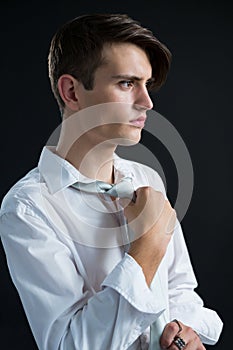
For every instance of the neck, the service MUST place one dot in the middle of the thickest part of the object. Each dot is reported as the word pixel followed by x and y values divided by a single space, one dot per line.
pixel 93 159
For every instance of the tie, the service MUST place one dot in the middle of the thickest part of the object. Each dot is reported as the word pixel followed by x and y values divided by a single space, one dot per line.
pixel 124 189
pixel 156 328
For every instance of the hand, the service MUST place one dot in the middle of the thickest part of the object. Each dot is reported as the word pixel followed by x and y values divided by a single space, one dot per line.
pixel 152 219
pixel 190 337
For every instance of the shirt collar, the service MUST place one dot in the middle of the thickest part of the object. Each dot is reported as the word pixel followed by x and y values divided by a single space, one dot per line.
pixel 59 174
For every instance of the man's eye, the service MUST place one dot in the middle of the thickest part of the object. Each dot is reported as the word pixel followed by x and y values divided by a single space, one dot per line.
pixel 126 83
pixel 150 84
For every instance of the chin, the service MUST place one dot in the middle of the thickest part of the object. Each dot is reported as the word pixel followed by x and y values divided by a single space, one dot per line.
pixel 134 136
pixel 128 139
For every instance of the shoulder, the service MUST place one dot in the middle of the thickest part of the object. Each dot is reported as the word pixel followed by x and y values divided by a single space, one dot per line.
pixel 24 192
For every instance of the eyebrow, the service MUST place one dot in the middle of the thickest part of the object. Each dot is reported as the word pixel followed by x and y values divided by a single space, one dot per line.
pixel 130 77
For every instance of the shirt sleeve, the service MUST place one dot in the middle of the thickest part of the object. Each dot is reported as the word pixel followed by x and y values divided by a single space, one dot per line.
pixel 62 312
pixel 185 304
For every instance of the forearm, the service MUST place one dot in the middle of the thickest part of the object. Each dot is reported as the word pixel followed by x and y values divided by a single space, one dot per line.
pixel 114 317
pixel 151 220
pixel 104 323
pixel 184 303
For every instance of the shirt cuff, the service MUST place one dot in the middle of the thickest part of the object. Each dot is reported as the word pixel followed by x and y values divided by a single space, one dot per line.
pixel 205 322
pixel 128 279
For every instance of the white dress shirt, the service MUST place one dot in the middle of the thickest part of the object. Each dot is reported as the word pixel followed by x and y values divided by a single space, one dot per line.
pixel 67 255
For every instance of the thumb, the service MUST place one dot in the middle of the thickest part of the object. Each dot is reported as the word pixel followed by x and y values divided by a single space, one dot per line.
pixel 124 202
pixel 142 194
pixel 132 208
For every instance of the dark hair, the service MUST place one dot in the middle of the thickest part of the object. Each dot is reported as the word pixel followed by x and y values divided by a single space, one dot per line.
pixel 76 48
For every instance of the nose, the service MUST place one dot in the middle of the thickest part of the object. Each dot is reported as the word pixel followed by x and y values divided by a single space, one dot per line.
pixel 143 99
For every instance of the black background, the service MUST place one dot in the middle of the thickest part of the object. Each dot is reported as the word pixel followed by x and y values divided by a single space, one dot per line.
pixel 197 99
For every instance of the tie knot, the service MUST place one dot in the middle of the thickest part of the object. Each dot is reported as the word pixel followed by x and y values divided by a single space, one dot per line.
pixel 123 189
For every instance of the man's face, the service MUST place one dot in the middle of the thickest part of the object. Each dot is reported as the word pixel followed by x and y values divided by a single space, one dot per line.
pixel 120 84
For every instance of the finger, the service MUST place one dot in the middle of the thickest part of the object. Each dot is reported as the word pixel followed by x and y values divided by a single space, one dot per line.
pixel 147 198
pixel 179 324
pixel 124 202
pixel 190 338
pixel 195 344
pixel 168 335
pixel 173 346
pixel 131 208
pixel 142 194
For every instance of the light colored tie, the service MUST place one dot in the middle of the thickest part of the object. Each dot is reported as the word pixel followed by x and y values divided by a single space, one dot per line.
pixel 156 329
pixel 124 189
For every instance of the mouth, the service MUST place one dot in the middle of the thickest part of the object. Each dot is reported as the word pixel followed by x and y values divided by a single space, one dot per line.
pixel 139 122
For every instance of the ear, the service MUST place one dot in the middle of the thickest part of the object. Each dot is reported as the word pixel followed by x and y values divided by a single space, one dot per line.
pixel 66 86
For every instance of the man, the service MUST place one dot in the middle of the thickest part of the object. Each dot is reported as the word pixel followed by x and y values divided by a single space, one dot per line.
pixel 97 266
